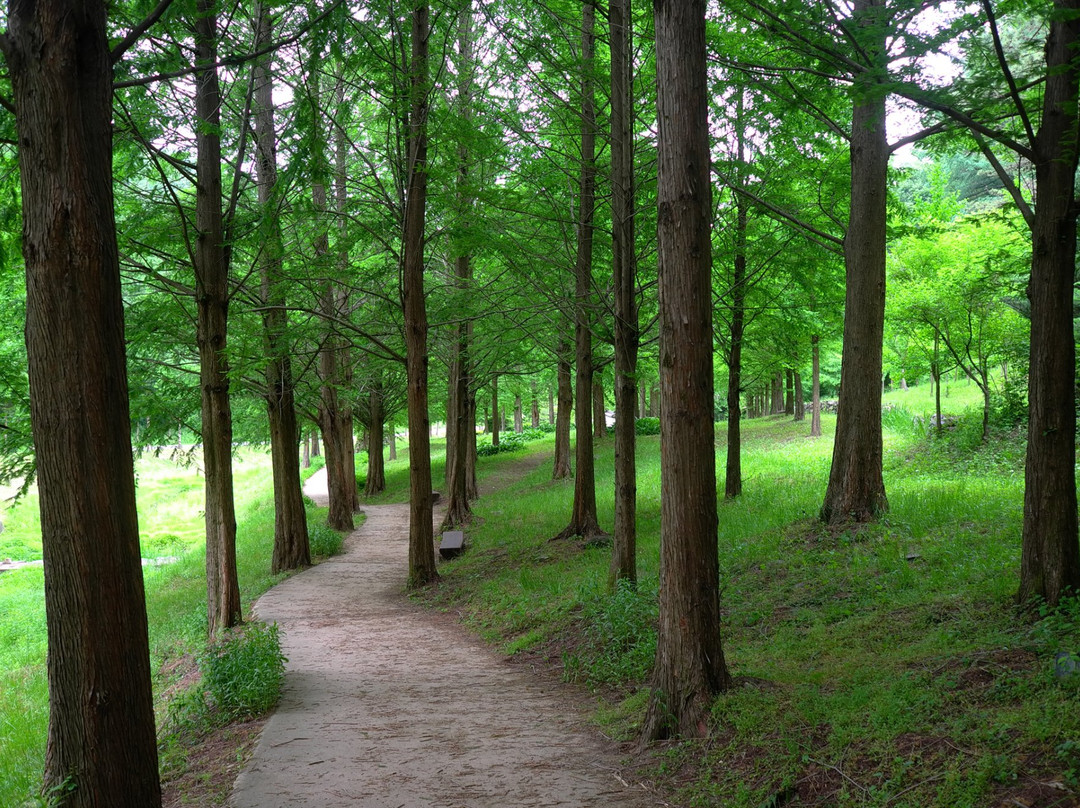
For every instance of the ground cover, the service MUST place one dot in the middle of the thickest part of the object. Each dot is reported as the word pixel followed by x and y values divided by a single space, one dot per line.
pixel 883 666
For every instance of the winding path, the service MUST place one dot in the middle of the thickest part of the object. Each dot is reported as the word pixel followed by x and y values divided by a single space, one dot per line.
pixel 389 706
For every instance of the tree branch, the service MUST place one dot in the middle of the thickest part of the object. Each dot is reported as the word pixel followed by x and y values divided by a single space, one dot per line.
pixel 122 47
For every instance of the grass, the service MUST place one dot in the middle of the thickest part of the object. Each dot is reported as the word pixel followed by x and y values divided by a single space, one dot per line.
pixel 170 503
pixel 879 666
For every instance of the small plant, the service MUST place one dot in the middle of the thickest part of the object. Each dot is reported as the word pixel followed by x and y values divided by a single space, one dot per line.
pixel 242 671
pixel 325 541
pixel 647 426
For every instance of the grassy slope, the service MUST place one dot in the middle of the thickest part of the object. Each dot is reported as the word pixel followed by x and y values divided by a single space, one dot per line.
pixel 886 666
pixel 170 503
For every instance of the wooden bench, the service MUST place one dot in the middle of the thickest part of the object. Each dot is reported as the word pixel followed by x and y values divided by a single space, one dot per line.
pixel 452 544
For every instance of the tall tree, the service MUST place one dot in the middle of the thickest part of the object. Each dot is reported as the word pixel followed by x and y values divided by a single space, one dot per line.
pixel 624 283
pixel 689 668
pixel 212 300
pixel 334 413
pixel 101 721
pixel 421 535
pixel 291 543
pixel 461 410
pixel 856 489
pixel 583 518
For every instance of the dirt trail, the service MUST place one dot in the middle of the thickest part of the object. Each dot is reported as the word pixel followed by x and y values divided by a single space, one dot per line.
pixel 389 706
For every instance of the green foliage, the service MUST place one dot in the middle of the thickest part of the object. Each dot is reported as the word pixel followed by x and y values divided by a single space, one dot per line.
pixel 619 637
pixel 647 426
pixel 510 442
pixel 325 541
pixel 243 670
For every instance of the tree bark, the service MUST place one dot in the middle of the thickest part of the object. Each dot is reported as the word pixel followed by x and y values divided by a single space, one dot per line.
pixel 599 413
pixel 856 490
pixel 623 564
pixel 519 415
pixel 212 299
pixel 733 467
pixel 561 469
pixel 101 717
pixel 800 401
pixel 534 413
pixel 291 544
pixel 458 511
pixel 421 536
pixel 551 406
pixel 495 417
pixel 335 415
pixel 583 519
pixel 1050 558
pixel 376 470
pixel 789 391
pixel 815 387
pixel 689 668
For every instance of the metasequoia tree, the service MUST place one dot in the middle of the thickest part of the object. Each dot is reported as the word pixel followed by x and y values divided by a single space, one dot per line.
pixel 689 668
pixel 211 259
pixel 421 536
pixel 856 489
pixel 334 413
pixel 101 737
pixel 461 409
pixel 291 543
pixel 624 283
pixel 583 519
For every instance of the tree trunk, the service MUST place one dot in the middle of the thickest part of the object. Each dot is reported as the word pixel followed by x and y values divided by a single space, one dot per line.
pixel 291 547
pixel 495 410
pixel 599 413
pixel 583 519
pixel 800 401
pixel 345 364
pixel 643 406
pixel 305 449
pixel 376 471
pixel 101 717
pixel 815 387
pixel 1050 558
pixel 654 401
pixel 212 299
pixel 458 511
pixel 689 667
pixel 789 391
pixel 421 537
pixel 561 468
pixel 551 406
pixel 856 490
pixel 733 467
pixel 315 450
pixel 519 415
pixel 624 284
pixel 393 441
pixel 534 413
pixel 335 423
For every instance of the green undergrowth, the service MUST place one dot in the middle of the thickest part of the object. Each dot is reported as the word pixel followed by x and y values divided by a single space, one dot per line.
pixel 176 612
pixel 883 665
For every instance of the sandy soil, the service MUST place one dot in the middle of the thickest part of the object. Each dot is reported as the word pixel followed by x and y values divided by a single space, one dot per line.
pixel 389 706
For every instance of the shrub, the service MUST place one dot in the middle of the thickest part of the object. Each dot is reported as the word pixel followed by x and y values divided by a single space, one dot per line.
pixel 242 671
pixel 507 443
pixel 647 426
pixel 325 541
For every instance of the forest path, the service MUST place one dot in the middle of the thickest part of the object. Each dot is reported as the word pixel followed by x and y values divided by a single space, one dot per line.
pixel 387 705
